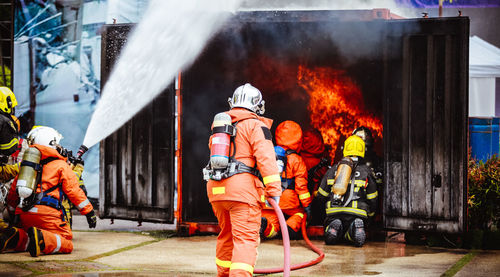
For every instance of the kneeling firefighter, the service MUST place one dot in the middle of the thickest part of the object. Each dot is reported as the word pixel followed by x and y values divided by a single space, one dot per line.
pixel 376 164
pixel 296 199
pixel 317 161
pixel 44 180
pixel 241 151
pixel 350 193
pixel 9 142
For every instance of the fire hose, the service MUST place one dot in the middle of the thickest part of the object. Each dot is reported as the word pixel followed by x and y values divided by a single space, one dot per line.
pixel 286 246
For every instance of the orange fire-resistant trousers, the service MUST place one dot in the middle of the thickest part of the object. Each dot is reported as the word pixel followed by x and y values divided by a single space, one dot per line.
pixel 238 239
pixel 57 238
pixel 294 220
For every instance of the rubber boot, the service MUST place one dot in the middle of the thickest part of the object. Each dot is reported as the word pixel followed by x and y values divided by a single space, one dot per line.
pixel 263 226
pixel 357 232
pixel 9 239
pixel 36 243
pixel 333 231
pixel 293 235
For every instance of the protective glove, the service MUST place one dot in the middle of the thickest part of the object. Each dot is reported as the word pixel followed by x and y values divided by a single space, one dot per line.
pixel 275 198
pixel 307 210
pixel 91 219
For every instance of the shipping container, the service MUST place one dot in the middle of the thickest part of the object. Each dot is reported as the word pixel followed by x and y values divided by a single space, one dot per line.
pixel 405 79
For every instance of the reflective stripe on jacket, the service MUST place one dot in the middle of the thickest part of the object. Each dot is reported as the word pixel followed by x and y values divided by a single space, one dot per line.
pixel 8 172
pixel 296 169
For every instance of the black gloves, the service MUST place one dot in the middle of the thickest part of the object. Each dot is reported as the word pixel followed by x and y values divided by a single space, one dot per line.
pixel 307 210
pixel 91 219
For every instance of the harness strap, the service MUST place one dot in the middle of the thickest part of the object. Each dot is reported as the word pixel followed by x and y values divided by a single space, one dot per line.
pixel 53 188
pixel 237 167
pixel 53 202
pixel 50 201
pixel 288 183
pixel 227 129
pixel 35 166
pixel 48 160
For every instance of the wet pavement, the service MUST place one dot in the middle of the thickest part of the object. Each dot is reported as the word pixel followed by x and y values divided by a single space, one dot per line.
pixel 144 253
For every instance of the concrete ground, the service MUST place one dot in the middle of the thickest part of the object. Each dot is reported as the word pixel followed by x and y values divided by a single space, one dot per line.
pixel 125 249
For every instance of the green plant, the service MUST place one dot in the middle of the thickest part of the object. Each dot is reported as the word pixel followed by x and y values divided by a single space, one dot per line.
pixel 484 194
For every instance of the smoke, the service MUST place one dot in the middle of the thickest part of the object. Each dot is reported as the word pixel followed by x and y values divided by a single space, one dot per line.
pixel 169 37
pixel 359 40
pixel 328 5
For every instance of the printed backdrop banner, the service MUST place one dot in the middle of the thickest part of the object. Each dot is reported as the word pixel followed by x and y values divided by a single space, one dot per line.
pixel 57 66
pixel 449 3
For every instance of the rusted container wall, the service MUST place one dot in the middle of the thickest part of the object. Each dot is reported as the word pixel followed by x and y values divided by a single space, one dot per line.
pixel 137 161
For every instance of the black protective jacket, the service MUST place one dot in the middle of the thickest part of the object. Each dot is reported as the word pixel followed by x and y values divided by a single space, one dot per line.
pixel 363 201
pixel 8 135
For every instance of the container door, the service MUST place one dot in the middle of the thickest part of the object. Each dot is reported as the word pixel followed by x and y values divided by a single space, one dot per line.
pixel 137 161
pixel 425 124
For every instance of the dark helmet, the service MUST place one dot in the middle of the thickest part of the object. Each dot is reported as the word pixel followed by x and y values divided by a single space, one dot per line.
pixel 364 133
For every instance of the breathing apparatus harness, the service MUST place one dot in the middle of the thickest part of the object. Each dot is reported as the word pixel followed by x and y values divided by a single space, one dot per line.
pixel 287 183
pixel 351 196
pixel 43 198
pixel 233 166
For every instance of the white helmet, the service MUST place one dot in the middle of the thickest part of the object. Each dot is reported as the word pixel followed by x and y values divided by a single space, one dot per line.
pixel 248 97
pixel 44 135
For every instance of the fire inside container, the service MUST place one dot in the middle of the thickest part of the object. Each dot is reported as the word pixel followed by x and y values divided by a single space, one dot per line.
pixel 326 75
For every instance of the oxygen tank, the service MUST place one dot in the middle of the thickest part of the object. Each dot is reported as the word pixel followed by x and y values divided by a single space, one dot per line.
pixel 221 141
pixel 342 178
pixel 26 182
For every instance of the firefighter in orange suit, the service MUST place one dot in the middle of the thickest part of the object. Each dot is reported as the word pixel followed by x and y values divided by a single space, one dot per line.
pixel 296 199
pixel 236 193
pixel 350 193
pixel 317 161
pixel 315 157
pixel 40 223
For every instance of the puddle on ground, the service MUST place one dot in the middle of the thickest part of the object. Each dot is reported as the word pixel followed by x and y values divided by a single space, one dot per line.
pixel 349 260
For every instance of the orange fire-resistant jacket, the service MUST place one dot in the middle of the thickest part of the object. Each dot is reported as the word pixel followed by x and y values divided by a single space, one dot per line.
pixel 254 146
pixel 54 173
pixel 289 136
pixel 312 148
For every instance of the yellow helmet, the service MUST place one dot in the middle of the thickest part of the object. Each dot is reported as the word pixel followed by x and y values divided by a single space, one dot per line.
pixel 7 100
pixel 354 146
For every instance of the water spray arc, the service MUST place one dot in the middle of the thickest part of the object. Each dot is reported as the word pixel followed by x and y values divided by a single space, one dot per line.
pixel 168 39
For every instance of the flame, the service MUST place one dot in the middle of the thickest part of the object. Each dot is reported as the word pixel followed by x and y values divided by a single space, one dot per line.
pixel 336 105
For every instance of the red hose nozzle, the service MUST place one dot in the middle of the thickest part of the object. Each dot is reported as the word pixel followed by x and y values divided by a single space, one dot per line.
pixel 81 151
